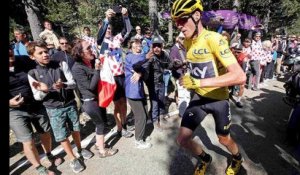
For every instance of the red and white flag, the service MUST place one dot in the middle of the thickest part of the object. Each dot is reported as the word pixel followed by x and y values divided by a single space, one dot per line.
pixel 107 85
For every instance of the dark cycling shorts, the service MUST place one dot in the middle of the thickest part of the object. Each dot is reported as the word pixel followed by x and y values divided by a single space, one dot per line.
pixel 120 91
pixel 199 107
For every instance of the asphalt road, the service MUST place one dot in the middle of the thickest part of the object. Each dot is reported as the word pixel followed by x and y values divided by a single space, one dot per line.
pixel 258 128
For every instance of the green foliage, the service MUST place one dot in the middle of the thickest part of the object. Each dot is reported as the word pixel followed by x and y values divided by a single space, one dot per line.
pixel 295 28
pixel 62 14
pixel 90 11
pixel 73 15
pixel 12 25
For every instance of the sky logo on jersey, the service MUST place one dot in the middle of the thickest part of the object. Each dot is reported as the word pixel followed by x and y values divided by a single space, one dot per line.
pixel 202 70
pixel 197 52
pixel 225 53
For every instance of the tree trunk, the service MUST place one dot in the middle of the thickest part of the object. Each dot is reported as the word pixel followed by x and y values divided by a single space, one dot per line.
pixel 236 5
pixel 153 15
pixel 170 31
pixel 267 18
pixel 32 15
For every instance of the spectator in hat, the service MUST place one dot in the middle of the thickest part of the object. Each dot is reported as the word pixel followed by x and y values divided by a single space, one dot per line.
pixel 159 60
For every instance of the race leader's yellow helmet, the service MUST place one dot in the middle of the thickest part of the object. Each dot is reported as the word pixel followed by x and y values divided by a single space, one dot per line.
pixel 185 7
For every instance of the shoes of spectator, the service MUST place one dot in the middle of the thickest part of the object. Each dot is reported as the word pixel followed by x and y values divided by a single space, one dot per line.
pixel 76 166
pixel 239 104
pixel 255 89
pixel 141 144
pixel 97 148
pixel 54 160
pixel 124 133
pixel 44 171
pixel 130 127
pixel 108 152
pixel 147 139
pixel 85 154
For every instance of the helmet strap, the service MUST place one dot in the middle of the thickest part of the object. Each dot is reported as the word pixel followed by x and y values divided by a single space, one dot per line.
pixel 196 25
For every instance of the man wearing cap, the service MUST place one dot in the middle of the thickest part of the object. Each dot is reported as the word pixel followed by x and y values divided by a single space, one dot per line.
pixel 159 60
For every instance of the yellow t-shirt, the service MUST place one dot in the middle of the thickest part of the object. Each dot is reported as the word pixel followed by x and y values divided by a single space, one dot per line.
pixel 208 56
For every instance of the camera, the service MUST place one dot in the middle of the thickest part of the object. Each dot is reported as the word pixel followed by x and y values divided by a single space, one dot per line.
pixel 117 9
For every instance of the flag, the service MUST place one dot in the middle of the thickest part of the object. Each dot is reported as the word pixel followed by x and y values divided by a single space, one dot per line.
pixel 107 85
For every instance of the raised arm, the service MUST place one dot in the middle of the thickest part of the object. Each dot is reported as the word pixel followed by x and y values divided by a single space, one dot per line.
pixel 101 33
pixel 127 25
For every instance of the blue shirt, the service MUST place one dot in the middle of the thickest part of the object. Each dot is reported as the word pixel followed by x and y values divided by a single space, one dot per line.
pixel 20 49
pixel 133 90
pixel 146 44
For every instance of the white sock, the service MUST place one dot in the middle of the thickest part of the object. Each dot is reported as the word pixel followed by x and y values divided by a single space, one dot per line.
pixel 238 99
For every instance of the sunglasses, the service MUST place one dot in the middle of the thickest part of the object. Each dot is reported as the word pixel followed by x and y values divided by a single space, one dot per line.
pixel 148 33
pixel 88 48
pixel 181 21
pixel 63 43
pixel 156 45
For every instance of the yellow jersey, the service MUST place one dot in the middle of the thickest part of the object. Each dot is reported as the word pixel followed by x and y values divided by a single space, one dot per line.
pixel 208 55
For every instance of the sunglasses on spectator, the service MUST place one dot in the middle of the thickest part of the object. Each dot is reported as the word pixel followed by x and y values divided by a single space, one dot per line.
pixel 63 43
pixel 88 48
pixel 157 45
pixel 148 33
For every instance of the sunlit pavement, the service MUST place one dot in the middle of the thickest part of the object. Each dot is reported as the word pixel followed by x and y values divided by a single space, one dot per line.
pixel 258 128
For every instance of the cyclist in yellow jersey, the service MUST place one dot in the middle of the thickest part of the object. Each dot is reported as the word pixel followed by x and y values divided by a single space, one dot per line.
pixel 212 68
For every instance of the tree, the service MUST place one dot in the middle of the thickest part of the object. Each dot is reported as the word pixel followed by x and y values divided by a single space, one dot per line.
pixel 33 13
pixel 74 14
pixel 153 15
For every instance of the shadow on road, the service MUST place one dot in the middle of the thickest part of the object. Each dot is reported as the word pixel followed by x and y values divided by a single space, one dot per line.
pixel 261 129
pixel 258 128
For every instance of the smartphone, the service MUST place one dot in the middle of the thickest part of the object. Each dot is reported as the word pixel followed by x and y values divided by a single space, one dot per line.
pixel 117 9
pixel 19 96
